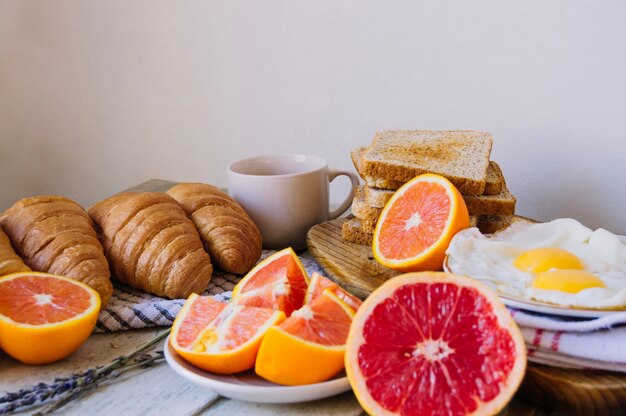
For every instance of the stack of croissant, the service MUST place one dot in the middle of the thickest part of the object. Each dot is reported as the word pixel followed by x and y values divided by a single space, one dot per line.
pixel 163 243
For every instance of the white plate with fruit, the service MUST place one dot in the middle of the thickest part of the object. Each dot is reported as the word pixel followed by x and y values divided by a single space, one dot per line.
pixel 249 387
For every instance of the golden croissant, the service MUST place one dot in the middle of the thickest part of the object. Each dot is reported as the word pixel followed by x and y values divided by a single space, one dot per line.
pixel 151 244
pixel 55 235
pixel 10 262
pixel 230 237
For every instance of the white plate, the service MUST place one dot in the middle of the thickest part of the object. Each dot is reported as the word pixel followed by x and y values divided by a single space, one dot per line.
pixel 249 387
pixel 541 307
pixel 548 309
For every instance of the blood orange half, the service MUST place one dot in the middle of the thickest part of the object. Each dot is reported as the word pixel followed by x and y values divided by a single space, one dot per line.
pixel 44 317
pixel 309 346
pixel 434 343
pixel 418 222
pixel 221 337
pixel 319 283
pixel 279 282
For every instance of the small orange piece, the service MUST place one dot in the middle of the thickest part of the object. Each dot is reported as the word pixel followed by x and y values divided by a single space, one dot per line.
pixel 279 282
pixel 220 337
pixel 414 229
pixel 319 283
pixel 44 317
pixel 309 347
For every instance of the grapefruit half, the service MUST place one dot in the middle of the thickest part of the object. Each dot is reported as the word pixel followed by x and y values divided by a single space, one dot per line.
pixel 434 343
pixel 279 282
pixel 220 337
pixel 416 225
pixel 44 317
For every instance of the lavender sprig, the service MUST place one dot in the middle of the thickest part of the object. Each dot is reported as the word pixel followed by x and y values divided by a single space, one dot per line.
pixel 67 389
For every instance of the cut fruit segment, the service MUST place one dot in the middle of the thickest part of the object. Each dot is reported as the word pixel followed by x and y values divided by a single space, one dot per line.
pixel 279 282
pixel 319 283
pixel 309 346
pixel 434 343
pixel 44 317
pixel 221 337
pixel 416 225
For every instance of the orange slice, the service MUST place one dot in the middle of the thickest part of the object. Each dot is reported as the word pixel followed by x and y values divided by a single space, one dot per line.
pixel 279 282
pixel 434 343
pixel 414 229
pixel 319 283
pixel 220 337
pixel 309 346
pixel 44 317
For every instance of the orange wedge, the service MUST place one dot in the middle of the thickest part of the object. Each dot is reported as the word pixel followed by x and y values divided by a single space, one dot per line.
pixel 220 337
pixel 279 282
pixel 415 227
pixel 319 283
pixel 309 347
pixel 44 317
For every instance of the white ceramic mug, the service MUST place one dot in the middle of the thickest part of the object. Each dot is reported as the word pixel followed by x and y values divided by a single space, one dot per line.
pixel 285 195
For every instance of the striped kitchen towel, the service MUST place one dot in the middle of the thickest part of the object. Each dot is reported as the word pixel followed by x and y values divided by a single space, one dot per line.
pixel 130 308
pixel 574 342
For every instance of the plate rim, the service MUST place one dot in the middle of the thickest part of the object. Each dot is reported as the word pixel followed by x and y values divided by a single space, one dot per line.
pixel 341 384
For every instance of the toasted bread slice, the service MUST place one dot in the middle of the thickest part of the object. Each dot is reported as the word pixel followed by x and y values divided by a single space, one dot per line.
pixel 495 179
pixel 377 197
pixel 460 156
pixel 502 204
pixel 353 232
pixel 489 224
pixel 356 156
pixel 360 207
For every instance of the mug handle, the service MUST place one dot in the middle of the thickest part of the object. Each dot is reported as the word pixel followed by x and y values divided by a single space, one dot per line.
pixel 332 174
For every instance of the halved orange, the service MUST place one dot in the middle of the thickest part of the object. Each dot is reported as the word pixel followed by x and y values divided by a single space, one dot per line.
pixel 433 343
pixel 309 346
pixel 414 229
pixel 279 282
pixel 319 283
pixel 44 317
pixel 220 337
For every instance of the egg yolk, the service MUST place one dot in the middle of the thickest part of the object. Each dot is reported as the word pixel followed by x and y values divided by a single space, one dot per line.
pixel 543 259
pixel 571 281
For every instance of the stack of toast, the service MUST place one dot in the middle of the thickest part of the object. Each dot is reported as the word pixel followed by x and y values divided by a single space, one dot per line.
pixel 397 156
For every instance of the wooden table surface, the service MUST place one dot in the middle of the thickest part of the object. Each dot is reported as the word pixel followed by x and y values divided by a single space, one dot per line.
pixel 158 390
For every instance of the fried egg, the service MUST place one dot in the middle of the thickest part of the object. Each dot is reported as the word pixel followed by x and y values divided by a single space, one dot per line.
pixel 561 262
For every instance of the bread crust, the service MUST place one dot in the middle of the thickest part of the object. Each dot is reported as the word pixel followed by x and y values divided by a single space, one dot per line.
pixel 229 235
pixel 353 232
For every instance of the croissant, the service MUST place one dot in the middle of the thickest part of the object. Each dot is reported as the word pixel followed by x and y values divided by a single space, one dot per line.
pixel 230 237
pixel 55 235
pixel 151 244
pixel 9 261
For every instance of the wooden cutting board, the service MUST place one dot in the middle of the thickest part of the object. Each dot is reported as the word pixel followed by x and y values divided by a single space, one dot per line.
pixel 574 392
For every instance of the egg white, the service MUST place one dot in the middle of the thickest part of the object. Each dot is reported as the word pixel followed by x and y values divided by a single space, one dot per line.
pixel 490 258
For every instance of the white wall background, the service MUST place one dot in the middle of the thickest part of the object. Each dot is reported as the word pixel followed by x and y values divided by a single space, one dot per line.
pixel 98 96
